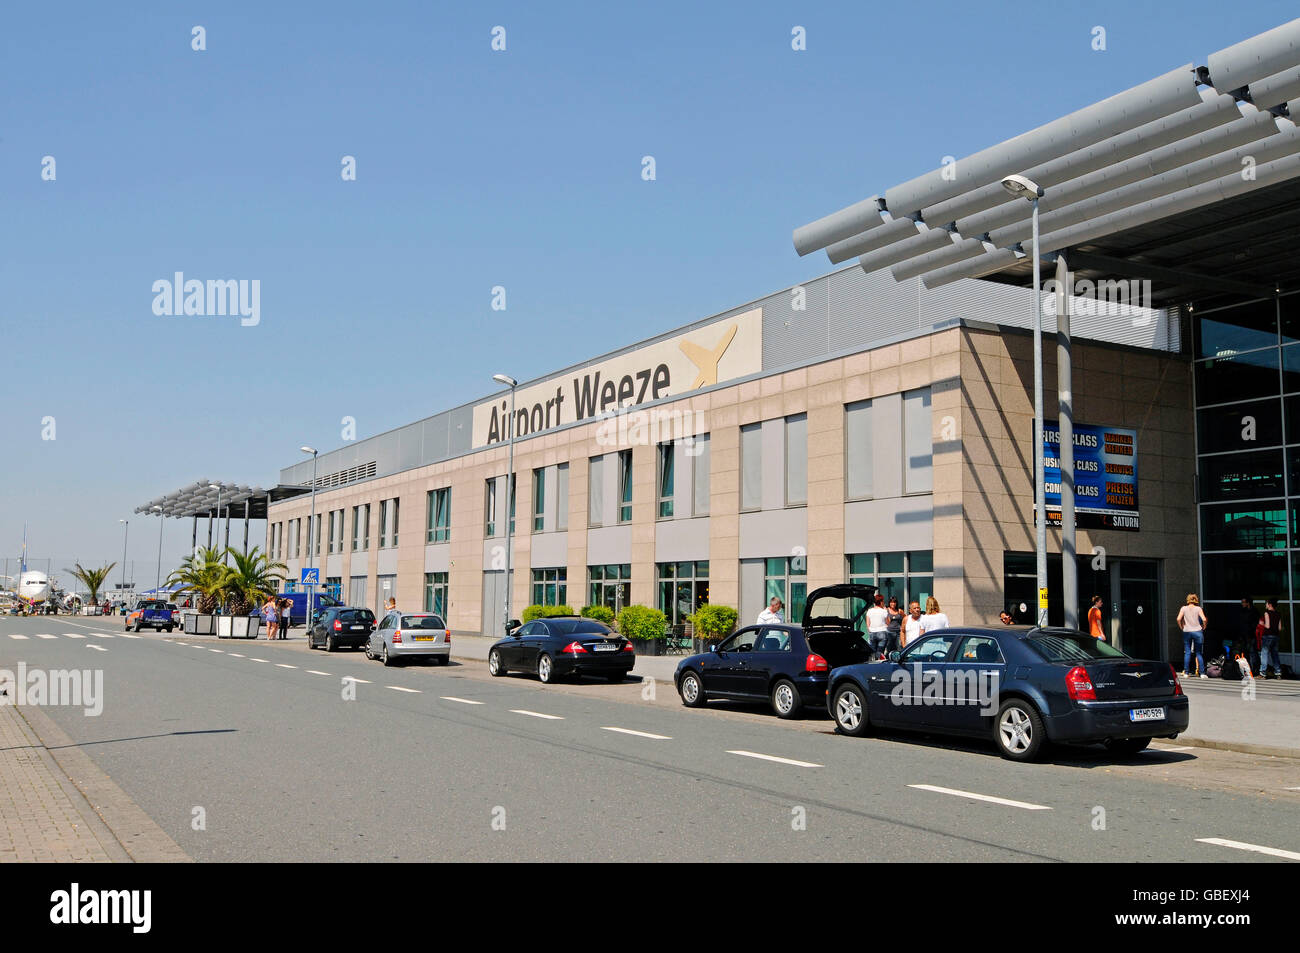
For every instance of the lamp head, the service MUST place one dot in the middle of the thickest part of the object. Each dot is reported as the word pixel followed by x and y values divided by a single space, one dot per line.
pixel 311 450
pixel 504 379
pixel 1022 188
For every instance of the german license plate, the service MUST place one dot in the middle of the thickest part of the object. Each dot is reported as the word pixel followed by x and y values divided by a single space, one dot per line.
pixel 606 647
pixel 1146 714
pixel 355 628
pixel 425 638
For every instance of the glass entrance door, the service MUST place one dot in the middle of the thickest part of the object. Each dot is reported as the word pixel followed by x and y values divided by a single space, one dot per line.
pixel 1139 609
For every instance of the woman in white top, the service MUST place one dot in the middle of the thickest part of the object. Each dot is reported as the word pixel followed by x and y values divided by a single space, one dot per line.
pixel 1192 619
pixel 933 618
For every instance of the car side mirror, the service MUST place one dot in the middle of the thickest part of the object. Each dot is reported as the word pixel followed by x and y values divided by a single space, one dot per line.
pixel 894 656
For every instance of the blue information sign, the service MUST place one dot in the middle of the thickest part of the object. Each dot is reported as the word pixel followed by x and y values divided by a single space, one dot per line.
pixel 310 577
pixel 1105 476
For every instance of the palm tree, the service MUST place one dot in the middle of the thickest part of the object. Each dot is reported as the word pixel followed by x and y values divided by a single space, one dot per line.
pixel 251 580
pixel 92 579
pixel 203 574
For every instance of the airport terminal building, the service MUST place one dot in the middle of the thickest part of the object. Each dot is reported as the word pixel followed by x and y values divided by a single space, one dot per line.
pixel 853 428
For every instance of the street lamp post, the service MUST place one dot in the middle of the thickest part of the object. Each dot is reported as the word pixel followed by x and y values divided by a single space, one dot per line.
pixel 311 549
pixel 126 529
pixel 1022 187
pixel 157 579
pixel 510 479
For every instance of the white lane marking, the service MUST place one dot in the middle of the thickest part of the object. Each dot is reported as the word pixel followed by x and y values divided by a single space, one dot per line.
pixel 639 734
pixel 769 757
pixel 15 635
pixel 463 701
pixel 220 651
pixel 1006 802
pixel 399 688
pixel 128 635
pixel 97 648
pixel 312 671
pixel 73 635
pixel 1254 848
pixel 101 635
pixel 283 665
pixel 353 678
pixel 251 659
pixel 45 635
pixel 536 714
pixel 237 655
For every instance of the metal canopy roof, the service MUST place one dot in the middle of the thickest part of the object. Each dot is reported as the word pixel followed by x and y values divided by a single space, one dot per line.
pixel 1187 179
pixel 199 499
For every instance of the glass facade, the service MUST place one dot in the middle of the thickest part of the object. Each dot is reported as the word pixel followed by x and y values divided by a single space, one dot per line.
pixel 610 586
pixel 787 579
pixel 907 577
pixel 1247 386
pixel 682 588
pixel 435 593
pixel 438 529
pixel 550 587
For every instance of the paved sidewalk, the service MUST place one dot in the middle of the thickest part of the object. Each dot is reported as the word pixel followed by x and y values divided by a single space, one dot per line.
pixel 42 816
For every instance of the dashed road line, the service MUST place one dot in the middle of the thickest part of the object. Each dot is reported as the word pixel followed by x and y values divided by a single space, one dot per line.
pixel 1006 802
pixel 399 688
pixel 359 681
pixel 252 659
pixel 770 757
pixel 45 635
pixel 312 671
pixel 97 648
pixel 101 635
pixel 73 635
pixel 128 635
pixel 281 664
pixel 639 734
pixel 1253 848
pixel 536 714
pixel 15 635
pixel 237 655
pixel 219 651
pixel 463 701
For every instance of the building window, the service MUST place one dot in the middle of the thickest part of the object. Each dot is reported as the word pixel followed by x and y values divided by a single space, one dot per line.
pixel 665 481
pixel 435 593
pixel 610 586
pixel 490 507
pixel 625 486
pixel 388 523
pixel 682 588
pixel 336 532
pixel 857 451
pixel 357 591
pixel 796 460
pixel 596 492
pixel 439 518
pixel 539 499
pixel 906 576
pixel 292 527
pixel 918 442
pixel 698 448
pixel 751 467
pixel 361 527
pixel 387 586
pixel 316 534
pixel 561 497
pixel 334 587
pixel 550 587
pixel 786 577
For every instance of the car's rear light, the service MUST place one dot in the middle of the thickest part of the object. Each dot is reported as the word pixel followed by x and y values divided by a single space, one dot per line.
pixel 1178 686
pixel 573 648
pixel 1078 685
pixel 338 626
pixel 446 635
pixel 628 648
pixel 815 663
pixel 397 636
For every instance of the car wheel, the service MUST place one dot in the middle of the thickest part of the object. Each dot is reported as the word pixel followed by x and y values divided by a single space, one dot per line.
pixel 692 690
pixel 494 663
pixel 785 699
pixel 1127 745
pixel 616 677
pixel 168 629
pixel 442 659
pixel 1018 730
pixel 851 711
pixel 137 627
pixel 388 660
pixel 545 669
pixel 329 643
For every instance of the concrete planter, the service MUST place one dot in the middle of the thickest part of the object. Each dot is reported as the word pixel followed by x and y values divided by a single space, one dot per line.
pixel 197 623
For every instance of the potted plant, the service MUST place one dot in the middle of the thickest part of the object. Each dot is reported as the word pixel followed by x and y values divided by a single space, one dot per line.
pixel 249 582
pixel 645 627
pixel 712 624
pixel 203 574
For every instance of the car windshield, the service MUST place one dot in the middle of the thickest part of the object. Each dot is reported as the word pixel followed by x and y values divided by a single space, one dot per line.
pixel 576 627
pixel 422 622
pixel 356 615
pixel 1059 647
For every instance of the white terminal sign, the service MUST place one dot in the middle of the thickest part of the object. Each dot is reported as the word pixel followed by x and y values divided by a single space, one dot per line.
pixel 721 351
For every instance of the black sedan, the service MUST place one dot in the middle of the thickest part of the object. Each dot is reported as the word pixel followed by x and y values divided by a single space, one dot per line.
pixel 788 665
pixel 341 627
pixel 1024 687
pixel 563 645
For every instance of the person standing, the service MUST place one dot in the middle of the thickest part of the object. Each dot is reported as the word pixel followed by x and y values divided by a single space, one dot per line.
pixel 271 616
pixel 895 625
pixel 934 617
pixel 878 627
pixel 1094 620
pixel 1192 620
pixel 772 614
pixel 286 608
pixel 1268 643
pixel 912 624
pixel 1241 637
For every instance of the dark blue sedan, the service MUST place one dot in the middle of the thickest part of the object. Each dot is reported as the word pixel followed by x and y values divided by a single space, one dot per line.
pixel 1024 687
pixel 788 665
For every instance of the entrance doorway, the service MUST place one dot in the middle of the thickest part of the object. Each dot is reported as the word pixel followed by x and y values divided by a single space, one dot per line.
pixel 1135 589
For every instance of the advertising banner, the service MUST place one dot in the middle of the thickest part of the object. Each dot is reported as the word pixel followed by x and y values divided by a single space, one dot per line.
pixel 1105 476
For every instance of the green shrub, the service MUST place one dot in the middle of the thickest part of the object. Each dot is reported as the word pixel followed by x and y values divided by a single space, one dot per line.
pixel 602 614
pixel 713 622
pixel 642 622
pixel 544 612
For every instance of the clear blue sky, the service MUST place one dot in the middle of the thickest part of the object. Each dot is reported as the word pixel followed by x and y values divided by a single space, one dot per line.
pixel 474 169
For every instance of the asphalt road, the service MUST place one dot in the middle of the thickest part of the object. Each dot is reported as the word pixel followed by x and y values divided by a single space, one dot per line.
pixel 261 742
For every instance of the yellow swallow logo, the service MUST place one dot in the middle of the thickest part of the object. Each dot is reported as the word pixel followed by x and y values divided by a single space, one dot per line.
pixel 706 359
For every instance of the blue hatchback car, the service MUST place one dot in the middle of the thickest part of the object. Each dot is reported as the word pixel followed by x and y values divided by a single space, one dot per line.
pixel 1022 686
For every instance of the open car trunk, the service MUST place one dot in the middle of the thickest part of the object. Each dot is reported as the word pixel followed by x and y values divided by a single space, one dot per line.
pixel 834 622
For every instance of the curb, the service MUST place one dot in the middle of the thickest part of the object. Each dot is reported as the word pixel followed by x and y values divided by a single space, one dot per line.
pixel 139 837
pixel 1271 751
